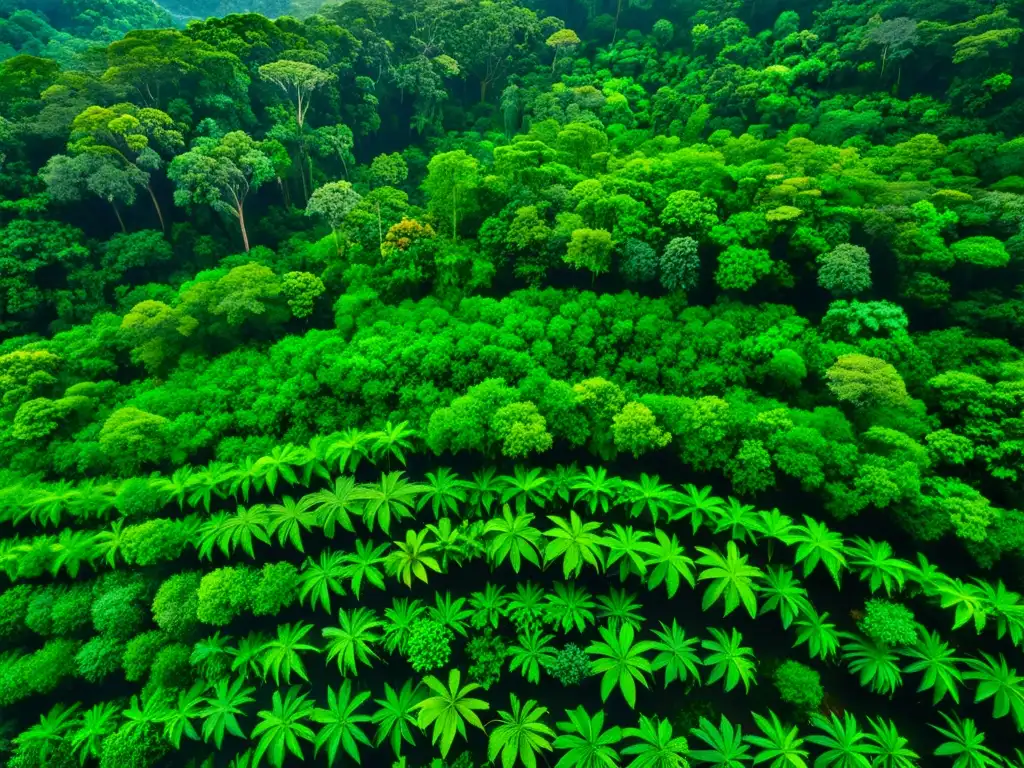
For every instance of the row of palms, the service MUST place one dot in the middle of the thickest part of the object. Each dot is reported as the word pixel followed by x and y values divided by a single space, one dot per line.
pixel 212 711
pixel 656 555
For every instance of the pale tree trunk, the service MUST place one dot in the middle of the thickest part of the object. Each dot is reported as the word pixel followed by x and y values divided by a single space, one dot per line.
pixel 156 205
pixel 119 219
pixel 241 224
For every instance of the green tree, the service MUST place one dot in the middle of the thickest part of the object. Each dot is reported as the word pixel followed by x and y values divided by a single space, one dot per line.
pixel 590 249
pixel 451 183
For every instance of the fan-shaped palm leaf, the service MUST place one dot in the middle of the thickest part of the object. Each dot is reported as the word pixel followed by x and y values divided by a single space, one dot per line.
pixel 350 642
pixel 997 681
pixel 393 497
pixel 816 544
pixel 321 579
pixel 282 727
pixel 965 744
pixel 656 746
pixel 280 656
pixel 784 593
pixel 412 558
pixel 530 654
pixel 875 663
pixel 724 741
pixel 336 506
pixel 521 734
pixel 393 440
pixel 887 748
pixel 513 538
pixel 843 741
pixel 288 519
pixel 98 722
pixel 576 543
pixel 937 660
pixel 620 661
pixel 777 745
pixel 526 486
pixel 396 716
pixel 570 605
pixel 626 546
pixel 730 660
pixel 596 489
pixel 878 565
pixel 445 492
pixel 696 503
pixel 449 709
pixel 730 578
pixel 586 742
pixel 650 496
pixel 223 708
pixel 340 721
pixel 668 563
pixel 361 565
pixel 676 654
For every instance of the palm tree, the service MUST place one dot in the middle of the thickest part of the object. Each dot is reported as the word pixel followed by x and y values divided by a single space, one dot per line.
pixel 228 532
pixel 1005 607
pixel 889 749
pixel 587 743
pixel 724 741
pixel 49 503
pixel 596 489
pixel 411 558
pixel 187 707
pixel 576 543
pixel 729 659
pixel 319 580
pixel 288 519
pixel 223 708
pixel 148 709
pixel 98 722
pixel 175 487
pixel 43 737
pixel 362 565
pixel 531 653
pixel 484 489
pixel 396 714
pixel 392 440
pixel 449 709
pixel 731 577
pixel 695 503
pixel 211 655
pixel 351 641
pixel 208 482
pixel 739 519
pixel 817 544
pixel 774 526
pixel 281 654
pixel 668 563
pixel 878 565
pixel 843 741
pixel 619 607
pixel 247 477
pixel 874 662
pixel 526 606
pixel 652 496
pixel 778 745
pixel 400 617
pixel 997 681
pixel 340 723
pixel 514 538
pixel 73 548
pixel 349 448
pixel 966 744
pixel 627 547
pixel 95 500
pixel 394 497
pixel 522 733
pixel 621 662
pixel 676 654
pixel 784 594
pixel 247 655
pixel 451 613
pixel 570 605
pixel 488 606
pixel 526 487
pixel 108 543
pixel 967 600
pixel 282 726
pixel 937 660
pixel 337 505
pixel 819 633
pixel 444 491
pixel 281 463
pixel 656 746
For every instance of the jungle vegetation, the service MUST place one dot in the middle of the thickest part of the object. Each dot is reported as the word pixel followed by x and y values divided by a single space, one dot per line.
pixel 511 382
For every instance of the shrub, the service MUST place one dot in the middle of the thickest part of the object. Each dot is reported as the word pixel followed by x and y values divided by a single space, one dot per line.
pixel 223 595
pixel 140 652
pixel 171 667
pixel 276 589
pixel 138 497
pixel 889 623
pixel 487 653
pixel 639 262
pixel 846 269
pixel 14 604
pixel 799 685
pixel 48 666
pixel 117 613
pixel 72 610
pixel 570 666
pixel 429 645
pixel 176 604
pixel 154 541
pixel 141 746
pixel 99 657
pixel 39 617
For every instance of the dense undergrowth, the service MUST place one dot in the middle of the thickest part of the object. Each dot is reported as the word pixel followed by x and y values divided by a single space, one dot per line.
pixel 694 331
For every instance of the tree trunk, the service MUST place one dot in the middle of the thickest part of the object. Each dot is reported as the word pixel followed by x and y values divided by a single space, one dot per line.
pixel 119 219
pixel 159 213
pixel 483 90
pixel 337 243
pixel 455 213
pixel 241 224
pixel 380 231
pixel 615 29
